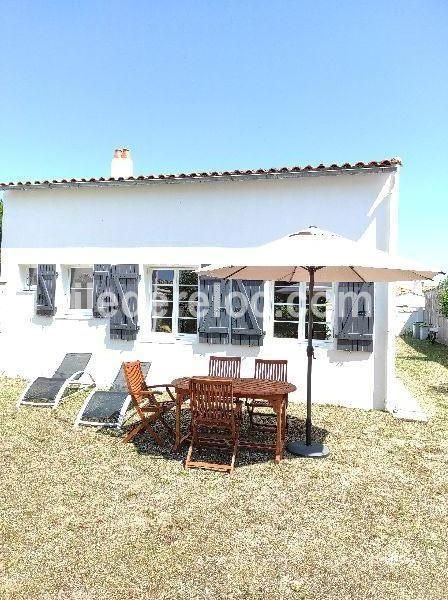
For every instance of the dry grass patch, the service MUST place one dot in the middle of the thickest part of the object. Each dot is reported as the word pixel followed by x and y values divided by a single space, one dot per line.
pixel 87 517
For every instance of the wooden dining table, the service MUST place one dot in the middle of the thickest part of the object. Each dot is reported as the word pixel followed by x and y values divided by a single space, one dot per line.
pixel 275 392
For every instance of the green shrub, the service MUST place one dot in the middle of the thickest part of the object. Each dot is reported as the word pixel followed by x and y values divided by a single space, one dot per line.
pixel 443 297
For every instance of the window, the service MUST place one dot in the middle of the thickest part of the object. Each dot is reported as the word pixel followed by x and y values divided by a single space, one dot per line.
pixel 291 309
pixel 28 277
pixel 322 313
pixel 174 301
pixel 81 288
pixel 286 309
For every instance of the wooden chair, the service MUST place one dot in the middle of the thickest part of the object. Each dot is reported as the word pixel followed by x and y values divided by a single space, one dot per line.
pixel 144 398
pixel 225 366
pixel 273 370
pixel 215 420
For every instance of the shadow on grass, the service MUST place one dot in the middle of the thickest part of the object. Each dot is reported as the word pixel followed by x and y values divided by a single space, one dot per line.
pixel 440 389
pixel 145 444
pixel 430 352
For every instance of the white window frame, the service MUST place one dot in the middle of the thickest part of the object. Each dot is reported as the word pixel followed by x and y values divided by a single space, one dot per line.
pixel 23 275
pixel 301 338
pixel 174 334
pixel 85 313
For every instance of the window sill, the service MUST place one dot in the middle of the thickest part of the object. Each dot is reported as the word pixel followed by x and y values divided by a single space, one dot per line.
pixel 167 338
pixel 316 343
pixel 26 292
pixel 76 315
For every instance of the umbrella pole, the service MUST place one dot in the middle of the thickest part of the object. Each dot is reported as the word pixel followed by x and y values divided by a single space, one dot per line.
pixel 310 357
pixel 308 449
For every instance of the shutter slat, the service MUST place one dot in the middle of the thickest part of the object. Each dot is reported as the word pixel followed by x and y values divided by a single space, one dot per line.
pixel 124 318
pixel 247 298
pixel 101 287
pixel 214 321
pixel 46 290
pixel 355 331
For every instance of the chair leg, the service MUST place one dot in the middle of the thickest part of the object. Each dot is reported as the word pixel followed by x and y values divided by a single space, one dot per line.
pixel 156 437
pixel 134 432
pixel 165 424
pixel 143 426
pixel 188 457
pixel 250 412
pixel 234 455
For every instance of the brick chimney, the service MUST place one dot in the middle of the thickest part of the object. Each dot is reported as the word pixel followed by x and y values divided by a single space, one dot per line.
pixel 122 165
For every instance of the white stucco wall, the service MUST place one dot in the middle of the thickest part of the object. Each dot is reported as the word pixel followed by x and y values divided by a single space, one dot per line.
pixel 188 224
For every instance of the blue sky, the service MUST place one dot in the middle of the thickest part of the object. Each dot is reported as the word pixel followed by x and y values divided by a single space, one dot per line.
pixel 208 84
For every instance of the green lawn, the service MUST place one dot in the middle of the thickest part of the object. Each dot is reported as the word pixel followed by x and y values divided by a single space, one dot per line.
pixel 84 516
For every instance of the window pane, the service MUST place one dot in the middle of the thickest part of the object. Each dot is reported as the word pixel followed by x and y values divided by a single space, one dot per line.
pixel 318 315
pixel 162 292
pixel 286 292
pixel 162 325
pixel 187 292
pixel 286 298
pixel 81 298
pixel 187 309
pixel 187 325
pixel 321 331
pixel 286 313
pixel 321 305
pixel 162 309
pixel 32 277
pixel 81 284
pixel 188 278
pixel 81 278
pixel 286 330
pixel 162 276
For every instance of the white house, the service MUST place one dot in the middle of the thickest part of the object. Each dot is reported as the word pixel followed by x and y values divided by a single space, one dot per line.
pixel 152 232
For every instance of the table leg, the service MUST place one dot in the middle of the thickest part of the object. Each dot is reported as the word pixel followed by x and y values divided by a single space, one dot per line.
pixel 179 400
pixel 279 441
pixel 284 421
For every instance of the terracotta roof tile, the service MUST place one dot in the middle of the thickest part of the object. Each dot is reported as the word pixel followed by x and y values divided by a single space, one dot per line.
pixel 387 163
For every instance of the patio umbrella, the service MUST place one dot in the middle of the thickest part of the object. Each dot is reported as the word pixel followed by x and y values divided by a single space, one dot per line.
pixel 314 255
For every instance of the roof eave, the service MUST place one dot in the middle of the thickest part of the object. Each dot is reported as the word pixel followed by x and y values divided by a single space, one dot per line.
pixel 150 180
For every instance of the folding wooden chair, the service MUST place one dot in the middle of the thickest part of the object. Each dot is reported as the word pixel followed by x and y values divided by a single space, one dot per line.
pixel 215 420
pixel 224 366
pixel 144 398
pixel 273 370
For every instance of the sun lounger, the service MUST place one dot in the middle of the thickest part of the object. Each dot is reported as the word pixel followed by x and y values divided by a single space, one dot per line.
pixel 48 391
pixel 108 408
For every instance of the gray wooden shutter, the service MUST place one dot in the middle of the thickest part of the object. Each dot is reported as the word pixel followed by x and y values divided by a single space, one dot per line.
pixel 214 322
pixel 124 319
pixel 46 290
pixel 101 285
pixel 247 327
pixel 355 331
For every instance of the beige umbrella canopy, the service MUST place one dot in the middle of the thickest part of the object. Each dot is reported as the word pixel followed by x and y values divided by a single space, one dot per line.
pixel 315 255
pixel 335 258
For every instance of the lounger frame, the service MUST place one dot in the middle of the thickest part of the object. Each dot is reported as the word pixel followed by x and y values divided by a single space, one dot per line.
pixel 118 425
pixel 122 414
pixel 72 381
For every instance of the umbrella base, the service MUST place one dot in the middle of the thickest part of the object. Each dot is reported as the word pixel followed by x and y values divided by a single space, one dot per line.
pixel 311 451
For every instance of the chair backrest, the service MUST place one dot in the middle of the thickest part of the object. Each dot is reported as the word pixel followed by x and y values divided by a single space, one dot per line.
pixel 71 364
pixel 211 401
pixel 225 366
pixel 120 385
pixel 135 380
pixel 275 370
